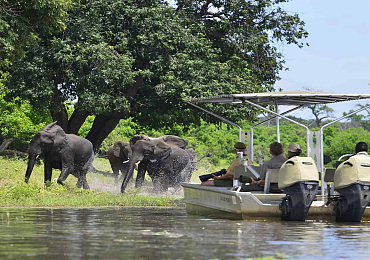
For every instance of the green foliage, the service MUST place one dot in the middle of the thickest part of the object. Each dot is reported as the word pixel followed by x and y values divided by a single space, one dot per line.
pixel 344 142
pixel 85 128
pixel 144 58
pixel 21 23
pixel 218 139
pixel 20 121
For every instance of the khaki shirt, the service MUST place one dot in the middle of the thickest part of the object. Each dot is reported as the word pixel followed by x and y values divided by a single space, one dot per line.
pixel 235 163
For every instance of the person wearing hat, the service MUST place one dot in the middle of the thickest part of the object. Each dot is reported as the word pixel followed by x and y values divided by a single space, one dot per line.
pixel 226 180
pixel 294 150
pixel 278 159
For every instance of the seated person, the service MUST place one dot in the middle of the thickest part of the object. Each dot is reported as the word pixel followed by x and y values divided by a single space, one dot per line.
pixel 226 180
pixel 361 150
pixel 294 150
pixel 278 158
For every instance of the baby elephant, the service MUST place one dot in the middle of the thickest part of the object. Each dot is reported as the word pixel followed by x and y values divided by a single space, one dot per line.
pixel 69 153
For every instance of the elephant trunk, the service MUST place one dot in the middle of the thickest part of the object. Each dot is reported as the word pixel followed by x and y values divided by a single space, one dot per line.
pixel 128 176
pixel 31 163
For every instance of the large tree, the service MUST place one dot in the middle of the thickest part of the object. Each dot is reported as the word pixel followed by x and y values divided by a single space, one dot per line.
pixel 117 59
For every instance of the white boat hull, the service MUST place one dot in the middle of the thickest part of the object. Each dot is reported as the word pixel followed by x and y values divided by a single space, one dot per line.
pixel 221 202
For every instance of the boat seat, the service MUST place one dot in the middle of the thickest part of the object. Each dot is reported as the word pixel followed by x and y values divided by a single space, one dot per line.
pixel 243 171
pixel 271 177
pixel 329 175
pixel 329 179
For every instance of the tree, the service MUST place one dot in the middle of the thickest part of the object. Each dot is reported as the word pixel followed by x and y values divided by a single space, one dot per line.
pixel 320 113
pixel 360 120
pixel 21 23
pixel 143 58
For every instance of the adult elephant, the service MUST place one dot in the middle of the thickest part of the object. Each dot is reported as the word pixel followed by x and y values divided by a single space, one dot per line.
pixel 69 153
pixel 118 156
pixel 166 163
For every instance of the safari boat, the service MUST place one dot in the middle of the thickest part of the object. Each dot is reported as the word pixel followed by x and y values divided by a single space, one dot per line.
pixel 311 192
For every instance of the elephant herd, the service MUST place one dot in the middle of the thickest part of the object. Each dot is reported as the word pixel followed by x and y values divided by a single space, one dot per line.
pixel 165 159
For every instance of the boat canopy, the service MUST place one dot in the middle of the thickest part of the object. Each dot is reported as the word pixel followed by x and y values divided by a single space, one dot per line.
pixel 298 99
pixel 289 98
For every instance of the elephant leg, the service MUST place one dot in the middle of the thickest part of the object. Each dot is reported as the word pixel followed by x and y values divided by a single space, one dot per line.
pixel 47 171
pixel 79 183
pixel 64 174
pixel 160 183
pixel 140 176
pixel 82 182
pixel 115 170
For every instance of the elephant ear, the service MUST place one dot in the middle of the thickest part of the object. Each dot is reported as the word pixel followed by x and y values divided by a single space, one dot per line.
pixel 117 149
pixel 46 138
pixel 175 140
pixel 162 149
pixel 136 138
pixel 126 151
pixel 48 127
pixel 59 136
pixel 41 142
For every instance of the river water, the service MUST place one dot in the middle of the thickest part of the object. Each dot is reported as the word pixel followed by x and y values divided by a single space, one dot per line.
pixel 152 233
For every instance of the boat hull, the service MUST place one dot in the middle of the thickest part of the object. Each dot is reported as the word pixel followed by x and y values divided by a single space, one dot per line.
pixel 224 203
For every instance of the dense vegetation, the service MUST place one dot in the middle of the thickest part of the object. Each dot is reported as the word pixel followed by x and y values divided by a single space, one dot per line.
pixel 142 59
pixel 21 123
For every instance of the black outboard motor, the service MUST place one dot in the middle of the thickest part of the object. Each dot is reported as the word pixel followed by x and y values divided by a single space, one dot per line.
pixel 299 179
pixel 352 182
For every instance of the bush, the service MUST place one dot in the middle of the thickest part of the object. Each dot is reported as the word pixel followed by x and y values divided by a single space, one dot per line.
pixel 20 121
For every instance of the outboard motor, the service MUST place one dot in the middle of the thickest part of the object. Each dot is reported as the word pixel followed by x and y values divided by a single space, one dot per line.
pixel 352 182
pixel 299 179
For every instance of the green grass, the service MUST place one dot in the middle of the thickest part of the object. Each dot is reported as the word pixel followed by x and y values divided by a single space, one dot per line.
pixel 15 192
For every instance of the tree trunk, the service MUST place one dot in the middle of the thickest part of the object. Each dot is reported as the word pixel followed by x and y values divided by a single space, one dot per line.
pixel 59 114
pixel 5 144
pixel 76 121
pixel 101 128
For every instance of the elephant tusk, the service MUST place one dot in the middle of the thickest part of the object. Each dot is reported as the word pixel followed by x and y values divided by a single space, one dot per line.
pixel 153 160
pixel 126 161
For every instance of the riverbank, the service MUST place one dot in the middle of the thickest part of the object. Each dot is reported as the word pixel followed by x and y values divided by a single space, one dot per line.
pixel 14 192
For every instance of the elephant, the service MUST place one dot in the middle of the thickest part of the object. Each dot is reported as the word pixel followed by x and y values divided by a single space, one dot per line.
pixel 68 152
pixel 166 163
pixel 118 156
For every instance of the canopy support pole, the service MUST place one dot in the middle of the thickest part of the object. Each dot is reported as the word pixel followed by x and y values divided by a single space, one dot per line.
pixel 241 133
pixel 277 122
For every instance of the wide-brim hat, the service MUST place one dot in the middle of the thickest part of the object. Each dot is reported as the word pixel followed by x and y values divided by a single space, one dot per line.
pixel 239 145
pixel 293 147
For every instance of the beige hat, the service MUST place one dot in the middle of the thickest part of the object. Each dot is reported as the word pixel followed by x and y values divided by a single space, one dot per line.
pixel 293 147
pixel 239 145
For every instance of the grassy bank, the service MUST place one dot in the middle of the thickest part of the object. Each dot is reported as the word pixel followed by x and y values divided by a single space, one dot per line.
pixel 103 191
